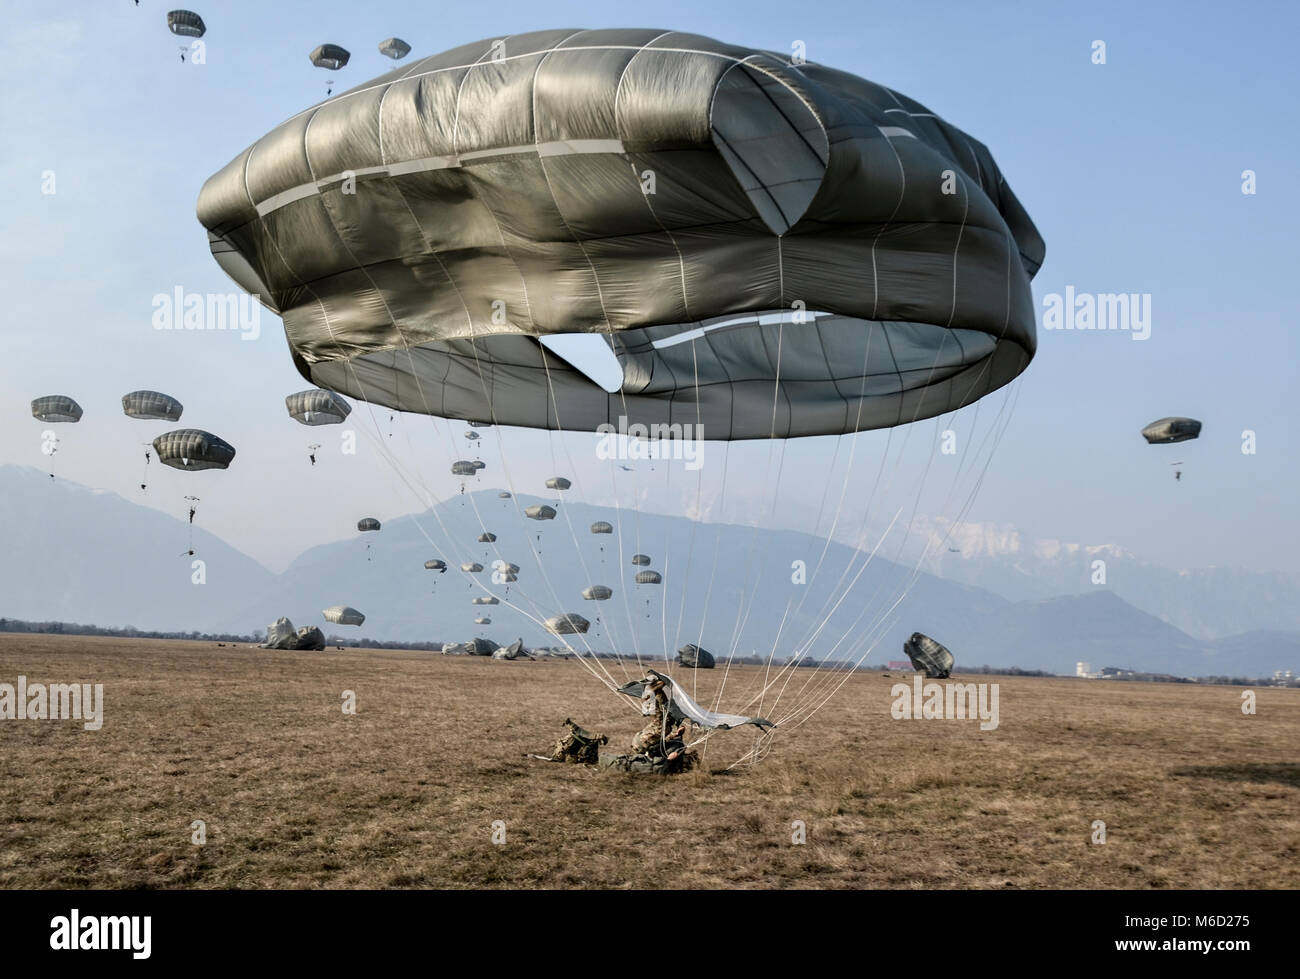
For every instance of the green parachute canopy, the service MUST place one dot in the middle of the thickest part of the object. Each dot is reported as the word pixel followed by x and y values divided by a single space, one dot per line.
pixel 766 249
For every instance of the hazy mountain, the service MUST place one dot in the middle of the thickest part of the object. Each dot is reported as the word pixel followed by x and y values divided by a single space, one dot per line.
pixel 725 586
pixel 1102 629
pixel 1205 603
pixel 81 555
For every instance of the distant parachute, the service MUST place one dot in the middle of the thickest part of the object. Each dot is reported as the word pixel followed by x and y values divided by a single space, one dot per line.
pixel 151 405
pixel 1174 429
pixel 558 483
pixel 56 408
pixel 649 578
pixel 928 655
pixel 186 23
pixel 503 495
pixel 487 537
pixel 539 511
pixel 330 56
pixel 486 600
pixel 505 567
pixel 471 567
pixel 193 449
pixel 602 527
pixel 693 657
pixel 482 620
pixel 343 615
pixel 473 436
pixel 367 523
pixel 435 565
pixel 567 624
pixel 394 48
pixel 463 467
pixel 641 560
pixel 597 593
pixel 317 407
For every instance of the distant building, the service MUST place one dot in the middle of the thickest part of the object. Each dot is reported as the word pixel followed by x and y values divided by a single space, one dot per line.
pixel 1082 669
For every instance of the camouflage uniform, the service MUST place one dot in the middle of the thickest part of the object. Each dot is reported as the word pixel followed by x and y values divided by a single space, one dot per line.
pixel 577 746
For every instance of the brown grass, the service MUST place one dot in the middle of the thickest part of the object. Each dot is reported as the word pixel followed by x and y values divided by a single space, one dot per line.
pixel 295 794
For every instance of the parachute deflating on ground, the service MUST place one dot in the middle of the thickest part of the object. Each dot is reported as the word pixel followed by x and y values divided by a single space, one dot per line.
pixel 558 483
pixel 343 615
pixel 693 657
pixel 539 511
pixel 330 56
pixel 394 48
pixel 317 407
pixel 366 524
pixel 649 578
pixel 928 655
pixel 192 449
pixel 772 181
pixel 435 565
pixel 641 560
pixel 56 408
pixel 682 708
pixel 597 593
pixel 1168 430
pixel 602 527
pixel 186 23
pixel 152 406
pixel 567 624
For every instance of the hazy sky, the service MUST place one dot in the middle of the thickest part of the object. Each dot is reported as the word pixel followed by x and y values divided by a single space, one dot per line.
pixel 1132 171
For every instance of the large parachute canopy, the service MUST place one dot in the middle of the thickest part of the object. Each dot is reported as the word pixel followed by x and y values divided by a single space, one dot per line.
pixel 367 524
pixel 597 593
pixel 602 527
pixel 558 483
pixel 186 23
pixel 463 467
pixel 436 564
pixel 641 560
pixel 152 405
pixel 394 48
pixel 317 407
pixel 539 511
pixel 330 56
pixel 928 655
pixel 343 615
pixel 693 657
pixel 193 449
pixel 798 269
pixel 56 408
pixel 649 578
pixel 1174 429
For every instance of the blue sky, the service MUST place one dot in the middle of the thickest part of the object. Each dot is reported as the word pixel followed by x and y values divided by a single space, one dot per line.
pixel 1131 170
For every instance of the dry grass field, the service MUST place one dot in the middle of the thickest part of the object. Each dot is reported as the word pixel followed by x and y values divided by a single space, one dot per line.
pixel 296 794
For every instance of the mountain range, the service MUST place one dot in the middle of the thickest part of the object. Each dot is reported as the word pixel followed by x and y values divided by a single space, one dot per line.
pixel 81 555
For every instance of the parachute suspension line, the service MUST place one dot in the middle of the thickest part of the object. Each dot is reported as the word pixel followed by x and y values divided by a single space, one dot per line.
pixel 577 547
pixel 882 623
pixel 684 584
